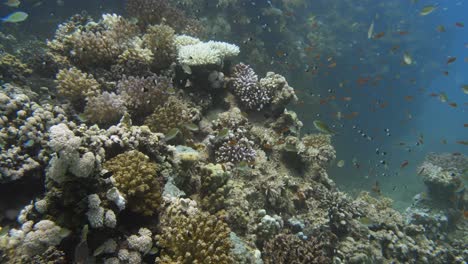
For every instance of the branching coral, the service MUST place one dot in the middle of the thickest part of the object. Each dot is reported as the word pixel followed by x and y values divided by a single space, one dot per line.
pixel 288 248
pixel 152 12
pixel 11 68
pixel 24 126
pixel 245 86
pixel 143 94
pixel 214 187
pixel 195 238
pixel 136 177
pixel 75 85
pixel 106 108
pixel 159 39
pixel 175 113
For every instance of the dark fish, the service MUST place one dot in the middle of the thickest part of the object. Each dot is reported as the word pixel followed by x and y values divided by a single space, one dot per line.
pixel 459 24
pixel 404 164
pixel 451 59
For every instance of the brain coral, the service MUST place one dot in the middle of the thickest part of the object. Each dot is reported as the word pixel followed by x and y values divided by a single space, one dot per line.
pixel 198 238
pixel 136 177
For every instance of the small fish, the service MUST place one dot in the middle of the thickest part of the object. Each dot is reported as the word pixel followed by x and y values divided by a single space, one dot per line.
pixel 409 98
pixel 427 10
pixel 443 97
pixel 453 104
pixel 407 58
pixel 459 24
pixel 370 32
pixel 191 126
pixel 171 134
pixel 421 171
pixel 332 65
pixel 403 33
pixel 15 17
pixel 12 3
pixel 376 188
pixel 440 28
pixel 340 164
pixel 465 125
pixel 379 35
pixel 465 88
pixel 451 59
pixel 404 164
pixel 463 142
pixel 323 127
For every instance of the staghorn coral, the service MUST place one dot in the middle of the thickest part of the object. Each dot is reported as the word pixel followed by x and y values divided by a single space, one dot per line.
pixel 175 113
pixel 75 85
pixel 195 238
pixel 136 177
pixel 159 39
pixel 288 248
pixel 143 94
pixel 106 108
pixel 245 86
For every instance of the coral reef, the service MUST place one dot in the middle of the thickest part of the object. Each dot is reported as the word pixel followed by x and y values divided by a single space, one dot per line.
pixel 12 68
pixel 155 159
pixel 137 178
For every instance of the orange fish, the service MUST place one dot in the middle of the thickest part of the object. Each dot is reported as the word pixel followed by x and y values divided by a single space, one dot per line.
pixel 402 33
pixel 409 98
pixel 465 125
pixel 451 59
pixel 347 98
pixel 454 105
pixel 376 188
pixel 433 94
pixel 379 35
pixel 465 214
pixel 332 65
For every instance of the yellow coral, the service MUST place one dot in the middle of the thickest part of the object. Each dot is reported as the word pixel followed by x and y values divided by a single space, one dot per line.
pixel 75 84
pixel 136 177
pixel 198 238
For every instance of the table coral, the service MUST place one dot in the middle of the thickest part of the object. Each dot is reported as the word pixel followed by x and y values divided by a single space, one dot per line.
pixel 137 178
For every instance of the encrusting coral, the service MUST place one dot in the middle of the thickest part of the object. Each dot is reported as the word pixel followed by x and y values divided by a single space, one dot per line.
pixel 137 178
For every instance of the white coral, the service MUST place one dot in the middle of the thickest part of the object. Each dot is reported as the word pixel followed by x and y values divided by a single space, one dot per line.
pixel 205 53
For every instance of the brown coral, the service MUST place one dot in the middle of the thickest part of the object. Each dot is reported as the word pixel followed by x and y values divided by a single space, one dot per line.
pixel 196 238
pixel 159 39
pixel 75 85
pixel 136 177
pixel 11 68
pixel 173 114
pixel 287 248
